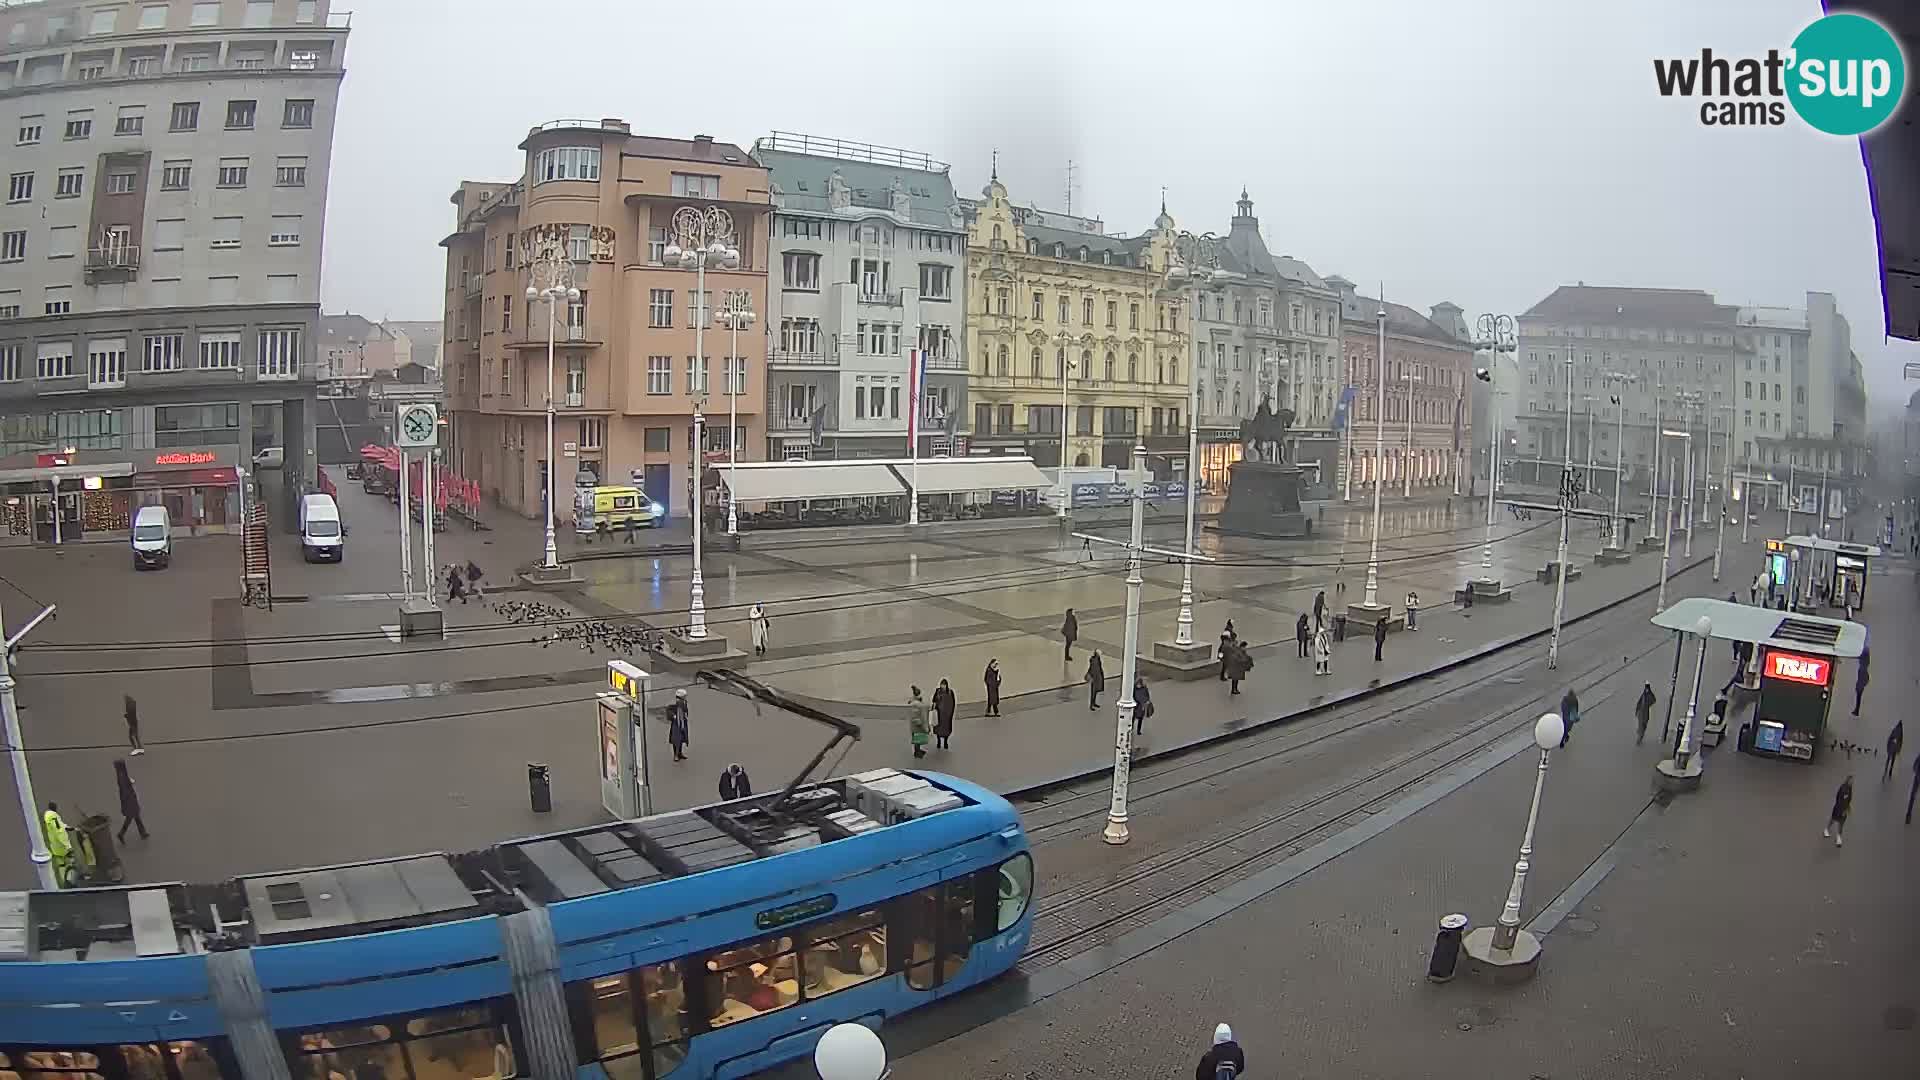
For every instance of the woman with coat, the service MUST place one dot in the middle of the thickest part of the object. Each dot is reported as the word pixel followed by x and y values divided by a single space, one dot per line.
pixel 1300 634
pixel 1142 705
pixel 1096 680
pixel 1323 652
pixel 758 624
pixel 1239 662
pixel 1228 636
pixel 129 801
pixel 734 783
pixel 917 721
pixel 677 718
pixel 1070 632
pixel 993 687
pixel 943 714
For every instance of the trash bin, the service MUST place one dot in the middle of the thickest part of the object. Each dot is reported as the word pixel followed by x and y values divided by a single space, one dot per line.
pixel 539 787
pixel 1340 626
pixel 1446 947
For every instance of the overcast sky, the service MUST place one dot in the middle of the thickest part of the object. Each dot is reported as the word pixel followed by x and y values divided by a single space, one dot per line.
pixel 1478 151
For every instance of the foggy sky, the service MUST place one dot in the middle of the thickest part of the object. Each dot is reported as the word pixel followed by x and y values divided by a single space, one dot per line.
pixel 1478 151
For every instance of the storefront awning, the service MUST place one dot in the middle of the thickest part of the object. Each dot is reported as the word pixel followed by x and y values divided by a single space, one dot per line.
pixel 951 476
pixel 44 474
pixel 773 481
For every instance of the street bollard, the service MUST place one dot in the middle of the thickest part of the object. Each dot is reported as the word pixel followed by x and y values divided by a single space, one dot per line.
pixel 539 787
pixel 1446 947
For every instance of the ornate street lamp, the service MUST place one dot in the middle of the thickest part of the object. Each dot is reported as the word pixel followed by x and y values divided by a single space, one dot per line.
pixel 701 238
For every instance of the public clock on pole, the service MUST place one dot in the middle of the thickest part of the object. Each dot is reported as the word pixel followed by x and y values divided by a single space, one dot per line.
pixel 419 425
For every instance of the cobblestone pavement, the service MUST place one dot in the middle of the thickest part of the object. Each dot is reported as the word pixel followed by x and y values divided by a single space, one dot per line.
pixel 304 736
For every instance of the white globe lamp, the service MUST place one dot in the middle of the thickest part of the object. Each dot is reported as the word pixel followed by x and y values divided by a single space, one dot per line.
pixel 850 1052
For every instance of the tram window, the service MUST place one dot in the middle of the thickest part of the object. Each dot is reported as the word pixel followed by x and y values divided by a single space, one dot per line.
pixel 956 935
pixel 751 980
pixel 1015 889
pixel 617 1029
pixel 921 913
pixel 191 1060
pixel 844 952
pixel 940 927
pixel 461 1043
pixel 58 1065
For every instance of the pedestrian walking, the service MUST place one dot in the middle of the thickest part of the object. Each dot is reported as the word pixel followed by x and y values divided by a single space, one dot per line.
pixel 456 585
pixel 1142 704
pixel 1379 637
pixel 1239 663
pixel 917 721
pixel 1642 712
pixel 1096 680
pixel 1895 740
pixel 1323 652
pixel 1753 590
pixel 1227 637
pixel 678 722
pixel 132 709
pixel 1842 805
pixel 1224 1060
pixel 1413 610
pixel 1070 631
pixel 129 800
pixel 1915 789
pixel 473 580
pixel 629 529
pixel 1340 583
pixel 1320 609
pixel 943 704
pixel 1569 714
pixel 734 783
pixel 759 626
pixel 1300 634
pixel 1466 596
pixel 1859 684
pixel 992 679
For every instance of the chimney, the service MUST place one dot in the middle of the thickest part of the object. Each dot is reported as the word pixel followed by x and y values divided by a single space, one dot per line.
pixel 614 123
pixel 703 146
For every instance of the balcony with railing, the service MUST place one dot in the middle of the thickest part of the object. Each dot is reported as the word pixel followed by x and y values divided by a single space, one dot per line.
pixel 807 358
pixel 881 297
pixel 783 420
pixel 113 259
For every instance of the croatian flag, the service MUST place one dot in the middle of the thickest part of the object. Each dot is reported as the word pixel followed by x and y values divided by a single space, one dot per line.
pixel 916 378
pixel 1343 409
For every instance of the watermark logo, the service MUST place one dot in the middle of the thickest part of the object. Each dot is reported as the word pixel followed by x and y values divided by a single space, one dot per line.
pixel 1844 75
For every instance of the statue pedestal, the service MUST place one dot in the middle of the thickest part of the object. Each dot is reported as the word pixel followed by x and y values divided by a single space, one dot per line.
pixel 1263 499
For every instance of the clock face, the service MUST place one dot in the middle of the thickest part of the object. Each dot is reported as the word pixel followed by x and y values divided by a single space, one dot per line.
pixel 417 425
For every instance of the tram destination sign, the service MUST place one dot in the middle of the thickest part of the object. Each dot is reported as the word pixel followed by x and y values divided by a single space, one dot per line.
pixel 798 911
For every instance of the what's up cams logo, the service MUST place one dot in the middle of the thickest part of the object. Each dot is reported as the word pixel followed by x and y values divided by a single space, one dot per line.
pixel 1844 75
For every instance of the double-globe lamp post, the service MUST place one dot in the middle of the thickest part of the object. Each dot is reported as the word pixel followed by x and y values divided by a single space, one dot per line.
pixel 1496 336
pixel 550 278
pixel 1195 259
pixel 736 314
pixel 701 238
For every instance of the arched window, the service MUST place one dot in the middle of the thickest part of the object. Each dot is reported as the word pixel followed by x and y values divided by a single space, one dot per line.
pixel 1059 250
pixel 1173 371
pixel 996 231
pixel 1086 363
pixel 1036 364
pixel 1109 367
pixel 1106 258
pixel 1033 247
pixel 986 360
pixel 1133 367
pixel 1083 253
pixel 1236 401
pixel 1002 368
pixel 1080 461
pixel 1059 363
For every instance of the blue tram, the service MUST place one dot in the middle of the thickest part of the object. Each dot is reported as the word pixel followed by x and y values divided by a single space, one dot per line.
pixel 704 943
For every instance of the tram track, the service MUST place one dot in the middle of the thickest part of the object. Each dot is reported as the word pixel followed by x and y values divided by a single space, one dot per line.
pixel 1086 914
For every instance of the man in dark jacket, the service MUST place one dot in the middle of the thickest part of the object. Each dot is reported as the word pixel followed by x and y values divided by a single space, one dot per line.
pixel 1860 684
pixel 1895 740
pixel 993 687
pixel 1070 631
pixel 1224 1060
pixel 1300 634
pixel 943 705
pixel 1379 637
pixel 1642 712
pixel 1569 714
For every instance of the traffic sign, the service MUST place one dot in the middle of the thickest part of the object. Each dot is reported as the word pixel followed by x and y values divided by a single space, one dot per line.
pixel 419 425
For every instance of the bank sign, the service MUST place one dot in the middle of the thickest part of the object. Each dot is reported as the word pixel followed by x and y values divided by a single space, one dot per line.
pixel 1844 74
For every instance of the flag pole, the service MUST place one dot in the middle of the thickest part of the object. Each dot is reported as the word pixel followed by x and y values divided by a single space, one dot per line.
pixel 913 436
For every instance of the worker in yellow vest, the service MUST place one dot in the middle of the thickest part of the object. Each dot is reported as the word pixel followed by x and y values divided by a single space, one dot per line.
pixel 59 843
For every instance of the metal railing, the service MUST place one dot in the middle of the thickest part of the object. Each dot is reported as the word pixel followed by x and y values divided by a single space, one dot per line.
pixel 802 359
pixel 117 257
pixel 883 298
pixel 795 143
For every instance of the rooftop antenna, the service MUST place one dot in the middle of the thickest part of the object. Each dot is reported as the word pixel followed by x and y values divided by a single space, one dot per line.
pixel 1069 187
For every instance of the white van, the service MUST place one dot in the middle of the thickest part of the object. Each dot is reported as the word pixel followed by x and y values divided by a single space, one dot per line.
pixel 152 537
pixel 322 537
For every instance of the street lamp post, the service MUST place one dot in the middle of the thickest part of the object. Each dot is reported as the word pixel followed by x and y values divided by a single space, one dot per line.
pixel 1196 257
pixel 1505 946
pixel 1682 771
pixel 549 278
pixel 736 314
pixel 702 238
pixel 1372 600
pixel 1726 485
pixel 37 853
pixel 1496 335
pixel 1666 546
pixel 1062 341
pixel 1568 492
pixel 1654 528
pixel 1619 447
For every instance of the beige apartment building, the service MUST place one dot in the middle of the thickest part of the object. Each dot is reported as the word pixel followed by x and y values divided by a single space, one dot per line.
pixel 626 373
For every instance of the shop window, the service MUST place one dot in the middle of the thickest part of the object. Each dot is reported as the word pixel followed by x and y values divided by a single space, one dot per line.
pixel 461 1043
pixel 751 980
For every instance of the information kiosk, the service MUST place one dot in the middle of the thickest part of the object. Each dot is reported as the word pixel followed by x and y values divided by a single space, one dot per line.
pixel 1841 567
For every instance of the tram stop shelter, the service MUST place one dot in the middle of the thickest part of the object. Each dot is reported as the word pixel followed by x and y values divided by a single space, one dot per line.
pixel 790 492
pixel 1795 654
pixel 1845 570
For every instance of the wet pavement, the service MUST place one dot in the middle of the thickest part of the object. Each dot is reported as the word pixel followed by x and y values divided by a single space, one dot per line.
pixel 305 735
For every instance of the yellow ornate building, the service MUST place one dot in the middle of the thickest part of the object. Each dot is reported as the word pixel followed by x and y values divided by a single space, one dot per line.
pixel 1058 311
